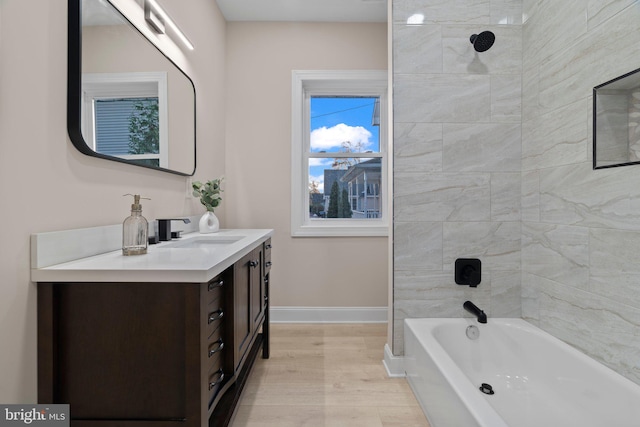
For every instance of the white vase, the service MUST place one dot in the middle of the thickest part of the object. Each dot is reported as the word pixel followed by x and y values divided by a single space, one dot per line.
pixel 209 223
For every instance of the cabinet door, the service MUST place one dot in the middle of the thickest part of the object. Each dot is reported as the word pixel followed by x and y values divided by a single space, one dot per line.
pixel 243 323
pixel 122 351
pixel 266 266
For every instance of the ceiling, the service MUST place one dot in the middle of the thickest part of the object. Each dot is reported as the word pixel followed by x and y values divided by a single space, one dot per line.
pixel 305 10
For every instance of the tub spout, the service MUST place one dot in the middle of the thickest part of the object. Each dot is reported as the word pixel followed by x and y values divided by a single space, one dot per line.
pixel 473 309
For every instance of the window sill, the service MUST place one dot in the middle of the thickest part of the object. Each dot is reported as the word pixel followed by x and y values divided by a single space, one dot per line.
pixel 340 231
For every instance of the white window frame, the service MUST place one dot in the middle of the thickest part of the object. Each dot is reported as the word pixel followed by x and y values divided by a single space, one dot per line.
pixel 126 85
pixel 306 84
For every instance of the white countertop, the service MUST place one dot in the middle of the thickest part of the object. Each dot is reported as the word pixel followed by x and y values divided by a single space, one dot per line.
pixel 164 262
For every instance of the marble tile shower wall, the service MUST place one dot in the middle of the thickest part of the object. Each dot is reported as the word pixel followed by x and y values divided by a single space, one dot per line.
pixel 492 159
pixel 580 227
pixel 457 157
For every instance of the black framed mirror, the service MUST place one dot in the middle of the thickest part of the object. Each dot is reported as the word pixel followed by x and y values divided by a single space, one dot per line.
pixel 126 100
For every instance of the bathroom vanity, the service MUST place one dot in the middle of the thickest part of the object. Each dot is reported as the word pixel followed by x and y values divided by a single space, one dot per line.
pixel 166 338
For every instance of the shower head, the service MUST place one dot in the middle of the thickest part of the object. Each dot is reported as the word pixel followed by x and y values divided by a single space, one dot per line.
pixel 483 41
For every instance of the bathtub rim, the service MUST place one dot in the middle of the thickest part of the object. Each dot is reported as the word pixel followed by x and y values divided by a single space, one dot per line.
pixel 476 404
pixel 453 373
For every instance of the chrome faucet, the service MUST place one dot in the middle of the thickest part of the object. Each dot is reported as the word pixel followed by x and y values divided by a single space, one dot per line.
pixel 473 309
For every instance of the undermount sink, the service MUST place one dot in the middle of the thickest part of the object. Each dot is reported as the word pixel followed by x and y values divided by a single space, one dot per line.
pixel 203 242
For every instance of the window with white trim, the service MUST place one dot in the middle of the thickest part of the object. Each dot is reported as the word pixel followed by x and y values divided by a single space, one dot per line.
pixel 339 153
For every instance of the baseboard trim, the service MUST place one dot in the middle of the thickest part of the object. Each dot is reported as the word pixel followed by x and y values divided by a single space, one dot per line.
pixel 328 314
pixel 393 364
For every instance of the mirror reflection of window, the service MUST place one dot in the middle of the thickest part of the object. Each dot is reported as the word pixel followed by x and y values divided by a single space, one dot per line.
pixel 125 116
pixel 128 128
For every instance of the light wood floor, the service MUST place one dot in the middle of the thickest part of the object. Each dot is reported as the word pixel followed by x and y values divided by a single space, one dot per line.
pixel 327 375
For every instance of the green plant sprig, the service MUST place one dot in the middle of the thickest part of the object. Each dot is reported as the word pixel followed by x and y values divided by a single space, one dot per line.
pixel 208 193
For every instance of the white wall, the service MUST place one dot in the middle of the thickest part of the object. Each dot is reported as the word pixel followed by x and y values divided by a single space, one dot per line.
pixel 308 272
pixel 47 185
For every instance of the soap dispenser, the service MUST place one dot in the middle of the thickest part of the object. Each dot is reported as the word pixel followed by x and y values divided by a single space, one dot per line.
pixel 135 230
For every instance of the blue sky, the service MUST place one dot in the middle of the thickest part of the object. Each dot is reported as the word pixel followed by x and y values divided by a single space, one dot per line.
pixel 335 120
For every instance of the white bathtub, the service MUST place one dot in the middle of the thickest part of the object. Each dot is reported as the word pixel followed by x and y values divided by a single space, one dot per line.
pixel 538 380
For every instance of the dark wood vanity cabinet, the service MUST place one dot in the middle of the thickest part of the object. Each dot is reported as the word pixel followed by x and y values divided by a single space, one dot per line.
pixel 266 278
pixel 152 354
pixel 248 287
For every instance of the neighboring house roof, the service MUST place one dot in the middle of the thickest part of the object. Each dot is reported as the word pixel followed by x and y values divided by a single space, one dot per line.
pixel 317 198
pixel 371 166
pixel 375 117
pixel 331 176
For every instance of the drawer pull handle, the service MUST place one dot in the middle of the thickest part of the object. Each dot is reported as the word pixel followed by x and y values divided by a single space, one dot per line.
pixel 220 374
pixel 217 284
pixel 216 315
pixel 268 246
pixel 268 264
pixel 220 347
pixel 253 263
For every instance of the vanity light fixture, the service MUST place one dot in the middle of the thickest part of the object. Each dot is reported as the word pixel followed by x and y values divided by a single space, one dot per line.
pixel 157 15
pixel 154 20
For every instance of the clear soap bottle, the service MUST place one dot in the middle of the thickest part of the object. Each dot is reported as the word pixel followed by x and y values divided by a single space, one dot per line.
pixel 135 229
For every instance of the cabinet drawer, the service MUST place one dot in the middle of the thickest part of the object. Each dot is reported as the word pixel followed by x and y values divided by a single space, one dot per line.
pixel 215 382
pixel 214 355
pixel 267 263
pixel 267 256
pixel 214 320
pixel 215 311
pixel 215 347
pixel 214 290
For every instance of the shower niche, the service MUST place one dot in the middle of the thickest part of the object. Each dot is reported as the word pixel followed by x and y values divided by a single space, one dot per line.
pixel 616 122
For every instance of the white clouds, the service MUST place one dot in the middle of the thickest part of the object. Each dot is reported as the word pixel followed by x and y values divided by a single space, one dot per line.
pixel 318 161
pixel 331 140
pixel 317 164
pixel 325 139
